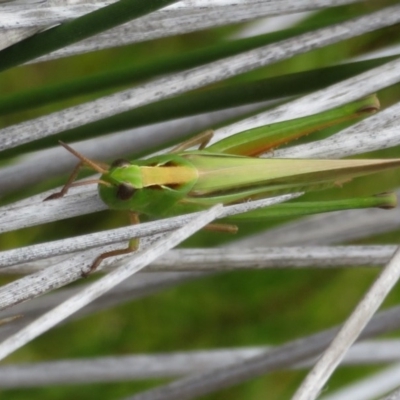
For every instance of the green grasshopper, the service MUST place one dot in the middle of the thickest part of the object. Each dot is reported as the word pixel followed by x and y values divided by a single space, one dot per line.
pixel 229 172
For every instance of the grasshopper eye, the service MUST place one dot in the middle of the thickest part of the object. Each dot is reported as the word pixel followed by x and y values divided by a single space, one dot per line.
pixel 120 163
pixel 125 191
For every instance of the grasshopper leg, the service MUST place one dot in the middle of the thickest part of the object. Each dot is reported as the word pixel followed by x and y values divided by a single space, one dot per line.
pixel 67 185
pixel 12 318
pixel 221 227
pixel 133 245
pixel 201 139
pixel 70 183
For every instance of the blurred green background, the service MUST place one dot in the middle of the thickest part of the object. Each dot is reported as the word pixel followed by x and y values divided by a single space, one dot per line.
pixel 226 310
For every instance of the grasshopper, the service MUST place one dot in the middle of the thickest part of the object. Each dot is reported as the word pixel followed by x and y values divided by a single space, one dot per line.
pixel 229 171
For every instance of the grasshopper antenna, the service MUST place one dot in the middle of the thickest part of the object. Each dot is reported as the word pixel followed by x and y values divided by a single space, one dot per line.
pixel 70 182
pixel 84 159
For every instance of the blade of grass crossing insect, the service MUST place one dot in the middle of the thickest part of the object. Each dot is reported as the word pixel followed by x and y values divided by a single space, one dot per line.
pixel 106 283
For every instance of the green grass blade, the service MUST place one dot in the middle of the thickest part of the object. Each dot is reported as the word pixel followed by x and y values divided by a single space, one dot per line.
pixel 227 96
pixel 76 30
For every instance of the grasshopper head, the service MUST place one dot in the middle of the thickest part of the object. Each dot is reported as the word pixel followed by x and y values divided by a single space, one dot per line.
pixel 121 181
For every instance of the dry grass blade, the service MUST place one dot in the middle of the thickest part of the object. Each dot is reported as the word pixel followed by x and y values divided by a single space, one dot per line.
pixel 65 246
pixel 71 269
pixel 393 396
pixel 44 14
pixel 238 258
pixel 11 36
pixel 87 295
pixel 318 376
pixel 164 365
pixel 273 360
pixel 186 17
pixel 192 79
pixel 370 388
pixel 137 287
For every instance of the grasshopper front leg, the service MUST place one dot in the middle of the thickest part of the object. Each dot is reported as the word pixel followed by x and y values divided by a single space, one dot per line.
pixel 68 184
pixel 132 246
